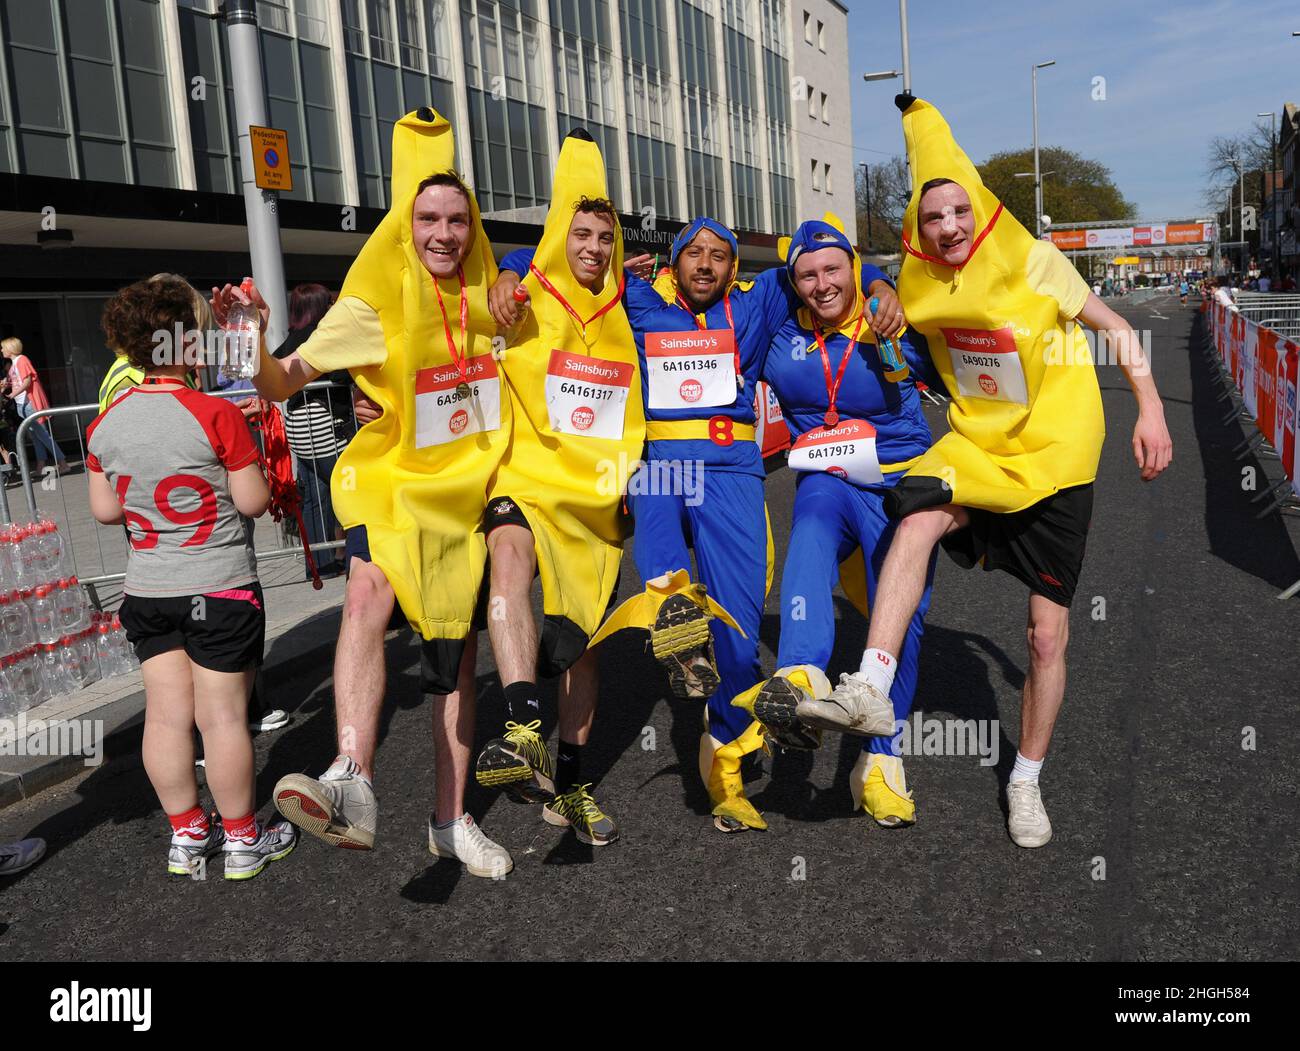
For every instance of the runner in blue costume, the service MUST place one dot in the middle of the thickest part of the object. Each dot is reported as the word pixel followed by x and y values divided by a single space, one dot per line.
pixel 702 335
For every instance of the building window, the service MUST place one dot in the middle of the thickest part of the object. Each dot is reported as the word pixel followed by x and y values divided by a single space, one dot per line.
pixel 816 176
pixel 812 102
pixel 828 178
pixel 826 110
pixel 821 37
pixel 807 28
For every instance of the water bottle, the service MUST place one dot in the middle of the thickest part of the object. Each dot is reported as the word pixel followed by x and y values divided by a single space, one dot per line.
pixel 27 558
pixel 85 641
pixel 72 609
pixel 242 341
pixel 106 650
pixel 8 572
pixel 16 629
pixel 53 668
pixel 127 661
pixel 27 679
pixel 44 609
pixel 57 554
pixel 891 356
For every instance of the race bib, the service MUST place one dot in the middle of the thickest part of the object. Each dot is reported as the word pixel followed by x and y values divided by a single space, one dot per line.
pixel 587 396
pixel 442 415
pixel 847 451
pixel 987 364
pixel 689 370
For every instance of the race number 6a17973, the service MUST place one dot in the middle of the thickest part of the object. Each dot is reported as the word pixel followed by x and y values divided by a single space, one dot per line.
pixel 203 517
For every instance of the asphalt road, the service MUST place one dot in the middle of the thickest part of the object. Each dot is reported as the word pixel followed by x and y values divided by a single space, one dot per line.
pixel 1147 782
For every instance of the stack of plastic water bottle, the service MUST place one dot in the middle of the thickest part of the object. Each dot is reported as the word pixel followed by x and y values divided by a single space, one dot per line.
pixel 51 642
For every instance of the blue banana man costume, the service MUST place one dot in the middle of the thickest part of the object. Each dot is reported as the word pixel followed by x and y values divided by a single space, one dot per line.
pixel 700 375
pixel 850 448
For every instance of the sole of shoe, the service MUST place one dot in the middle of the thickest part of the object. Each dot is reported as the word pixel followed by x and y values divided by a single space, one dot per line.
pixel 776 707
pixel 560 821
pixel 499 766
pixel 298 799
pixel 729 825
pixel 1031 842
pixel 243 874
pixel 682 642
pixel 473 870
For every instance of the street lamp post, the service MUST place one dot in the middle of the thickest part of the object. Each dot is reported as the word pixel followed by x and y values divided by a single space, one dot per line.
pixel 907 62
pixel 1273 192
pixel 1038 182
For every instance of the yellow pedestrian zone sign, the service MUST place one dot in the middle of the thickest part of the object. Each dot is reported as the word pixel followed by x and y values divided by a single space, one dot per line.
pixel 270 158
pixel 1122 260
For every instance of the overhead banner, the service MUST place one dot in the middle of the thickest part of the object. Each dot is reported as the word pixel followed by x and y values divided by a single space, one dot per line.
pixel 1154 235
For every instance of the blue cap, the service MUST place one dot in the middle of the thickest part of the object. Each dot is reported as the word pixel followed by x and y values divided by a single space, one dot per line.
pixel 689 232
pixel 813 236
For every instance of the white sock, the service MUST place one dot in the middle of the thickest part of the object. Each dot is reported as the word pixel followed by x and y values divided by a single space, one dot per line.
pixel 878 668
pixel 1026 769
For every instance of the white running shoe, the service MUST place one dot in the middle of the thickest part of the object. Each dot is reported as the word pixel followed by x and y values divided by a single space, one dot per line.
pixel 465 841
pixel 186 854
pixel 1027 819
pixel 245 858
pixel 340 807
pixel 15 857
pixel 272 720
pixel 854 707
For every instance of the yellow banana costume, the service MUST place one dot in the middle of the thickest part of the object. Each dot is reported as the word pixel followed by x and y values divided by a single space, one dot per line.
pixel 421 493
pixel 563 375
pixel 1026 419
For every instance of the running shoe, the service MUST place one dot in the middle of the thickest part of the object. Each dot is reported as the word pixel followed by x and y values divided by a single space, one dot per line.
pixel 464 841
pixel 15 857
pixel 578 809
pixel 854 707
pixel 246 858
pixel 519 763
pixel 682 642
pixel 1026 816
pixel 340 807
pixel 776 706
pixel 186 855
pixel 272 720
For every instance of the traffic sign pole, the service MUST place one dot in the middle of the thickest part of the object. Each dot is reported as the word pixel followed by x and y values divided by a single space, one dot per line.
pixel 261 206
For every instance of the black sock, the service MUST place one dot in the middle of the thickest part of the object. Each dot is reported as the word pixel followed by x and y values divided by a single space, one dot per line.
pixel 568 766
pixel 522 703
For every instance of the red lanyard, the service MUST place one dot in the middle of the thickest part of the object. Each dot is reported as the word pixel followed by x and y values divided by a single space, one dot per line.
pixel 831 417
pixel 581 325
pixel 731 324
pixel 459 359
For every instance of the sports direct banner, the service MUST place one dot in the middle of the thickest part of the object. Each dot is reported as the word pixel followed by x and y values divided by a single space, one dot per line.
pixel 1264 367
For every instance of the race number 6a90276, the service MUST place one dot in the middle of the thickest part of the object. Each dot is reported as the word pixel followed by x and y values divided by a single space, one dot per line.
pixel 203 517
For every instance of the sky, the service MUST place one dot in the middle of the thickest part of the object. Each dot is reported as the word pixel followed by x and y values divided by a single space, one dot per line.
pixel 1176 75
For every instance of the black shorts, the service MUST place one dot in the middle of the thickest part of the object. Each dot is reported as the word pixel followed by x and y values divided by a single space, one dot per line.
pixel 1042 546
pixel 503 511
pixel 222 632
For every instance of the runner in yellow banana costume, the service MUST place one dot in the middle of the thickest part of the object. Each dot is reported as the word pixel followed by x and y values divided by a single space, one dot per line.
pixel 571 372
pixel 412 327
pixel 1010 486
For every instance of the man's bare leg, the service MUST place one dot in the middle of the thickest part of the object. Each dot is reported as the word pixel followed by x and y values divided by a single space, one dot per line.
pixel 360 672
pixel 510 617
pixel 1048 632
pixel 577 701
pixel 453 738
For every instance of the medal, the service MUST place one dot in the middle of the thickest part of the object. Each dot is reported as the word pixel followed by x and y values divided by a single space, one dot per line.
pixel 831 418
pixel 462 390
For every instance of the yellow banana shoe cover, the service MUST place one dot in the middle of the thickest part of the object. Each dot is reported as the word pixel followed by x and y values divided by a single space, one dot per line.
pixel 574 386
pixel 1026 417
pixel 417 478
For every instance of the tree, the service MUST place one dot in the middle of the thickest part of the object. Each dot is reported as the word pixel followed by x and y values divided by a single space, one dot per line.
pixel 1077 191
pixel 889 190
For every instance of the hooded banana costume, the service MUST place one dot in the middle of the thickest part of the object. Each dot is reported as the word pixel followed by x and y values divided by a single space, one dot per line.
pixel 417 478
pixel 855 438
pixel 1026 418
pixel 579 424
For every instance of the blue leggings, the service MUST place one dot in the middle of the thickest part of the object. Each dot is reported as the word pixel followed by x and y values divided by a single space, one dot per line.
pixel 42 439
pixel 728 529
pixel 832 518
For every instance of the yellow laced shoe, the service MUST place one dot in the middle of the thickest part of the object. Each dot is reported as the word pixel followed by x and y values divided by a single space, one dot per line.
pixel 879 786
pixel 720 769
pixel 578 809
pixel 518 762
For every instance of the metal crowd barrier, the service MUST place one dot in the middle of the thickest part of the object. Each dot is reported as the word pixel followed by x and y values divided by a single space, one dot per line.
pixel 1279 311
pixel 287 545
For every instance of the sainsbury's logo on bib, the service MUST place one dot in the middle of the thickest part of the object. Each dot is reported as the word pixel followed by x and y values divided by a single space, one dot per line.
pixel 981 340
pixel 445 411
pixel 691 369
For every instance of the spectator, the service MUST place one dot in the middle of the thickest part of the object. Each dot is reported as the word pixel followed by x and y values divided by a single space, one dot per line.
pixel 1287 283
pixel 122 375
pixel 318 424
pixel 24 388
pixel 1265 282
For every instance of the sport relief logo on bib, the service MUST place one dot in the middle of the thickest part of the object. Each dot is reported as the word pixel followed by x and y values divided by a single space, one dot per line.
pixel 847 450
pixel 690 370
pixel 442 414
pixel 987 364
pixel 587 396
